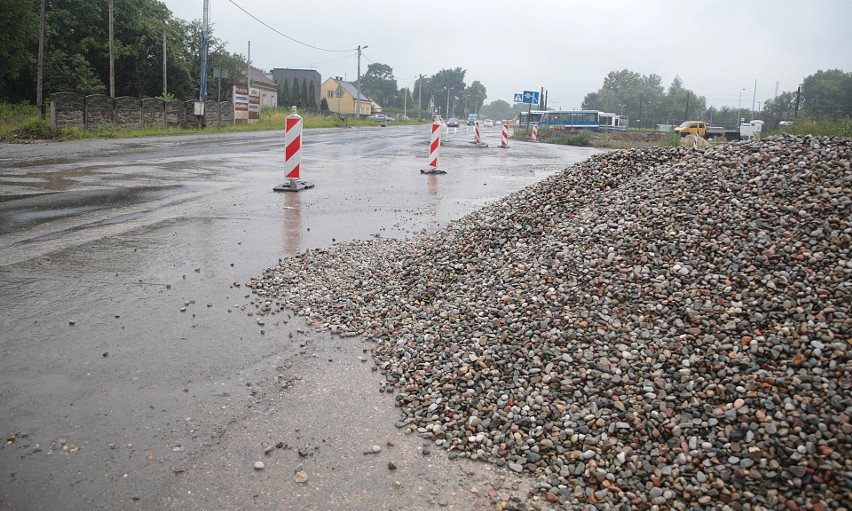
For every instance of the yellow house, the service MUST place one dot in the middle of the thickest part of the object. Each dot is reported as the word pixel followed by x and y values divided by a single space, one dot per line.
pixel 341 95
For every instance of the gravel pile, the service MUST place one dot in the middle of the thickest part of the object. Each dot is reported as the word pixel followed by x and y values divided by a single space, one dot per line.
pixel 653 327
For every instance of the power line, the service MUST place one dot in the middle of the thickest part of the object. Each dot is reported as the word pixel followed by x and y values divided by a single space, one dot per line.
pixel 285 35
pixel 354 52
pixel 394 76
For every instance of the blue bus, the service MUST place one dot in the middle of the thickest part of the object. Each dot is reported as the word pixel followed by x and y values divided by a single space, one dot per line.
pixel 582 119
pixel 613 121
pixel 534 117
pixel 570 119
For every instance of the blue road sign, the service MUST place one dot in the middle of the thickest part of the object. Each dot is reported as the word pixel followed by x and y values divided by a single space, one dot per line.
pixel 519 98
pixel 530 96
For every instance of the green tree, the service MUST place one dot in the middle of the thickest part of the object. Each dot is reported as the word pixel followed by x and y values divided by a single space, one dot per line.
pixel 441 85
pixel 303 97
pixel 18 39
pixel 498 109
pixel 781 108
pixel 296 100
pixel 312 98
pixel 284 97
pixel 380 85
pixel 827 94
pixel 476 95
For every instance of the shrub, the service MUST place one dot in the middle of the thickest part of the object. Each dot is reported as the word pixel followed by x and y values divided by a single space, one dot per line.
pixel 580 138
pixel 35 128
pixel 819 127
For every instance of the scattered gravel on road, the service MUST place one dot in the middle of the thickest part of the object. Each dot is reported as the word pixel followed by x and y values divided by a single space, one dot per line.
pixel 653 327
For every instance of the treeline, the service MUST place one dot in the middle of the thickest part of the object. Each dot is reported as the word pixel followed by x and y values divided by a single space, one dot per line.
pixel 823 95
pixel 76 50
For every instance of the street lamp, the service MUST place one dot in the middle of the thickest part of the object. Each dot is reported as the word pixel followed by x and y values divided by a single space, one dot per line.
pixel 449 89
pixel 739 102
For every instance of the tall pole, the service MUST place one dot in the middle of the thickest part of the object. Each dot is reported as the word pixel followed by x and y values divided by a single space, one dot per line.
pixel 165 81
pixel 202 89
pixel 111 55
pixel 753 99
pixel 798 96
pixel 358 85
pixel 248 69
pixel 447 112
pixel 419 97
pixel 739 105
pixel 405 104
pixel 40 71
pixel 640 112
pixel 686 116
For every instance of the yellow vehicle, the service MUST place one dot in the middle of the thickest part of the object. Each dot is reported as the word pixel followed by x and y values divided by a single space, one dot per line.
pixel 692 128
pixel 701 129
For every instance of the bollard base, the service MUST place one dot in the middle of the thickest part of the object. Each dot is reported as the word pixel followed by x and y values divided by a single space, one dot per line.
pixel 503 146
pixel 432 170
pixel 293 186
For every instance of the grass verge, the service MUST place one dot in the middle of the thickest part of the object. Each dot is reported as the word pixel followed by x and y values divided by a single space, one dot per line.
pixel 21 122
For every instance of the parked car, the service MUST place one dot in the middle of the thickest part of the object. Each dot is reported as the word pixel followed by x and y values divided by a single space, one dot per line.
pixel 489 122
pixel 380 118
pixel 452 122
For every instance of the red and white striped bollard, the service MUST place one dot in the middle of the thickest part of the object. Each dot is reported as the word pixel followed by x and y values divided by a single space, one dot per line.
pixel 535 133
pixel 434 149
pixel 504 136
pixel 476 138
pixel 293 154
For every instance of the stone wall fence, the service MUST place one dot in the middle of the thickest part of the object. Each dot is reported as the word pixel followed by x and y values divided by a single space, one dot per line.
pixel 153 112
pixel 226 113
pixel 128 113
pixel 211 113
pixel 175 114
pixel 97 111
pixel 100 112
pixel 67 110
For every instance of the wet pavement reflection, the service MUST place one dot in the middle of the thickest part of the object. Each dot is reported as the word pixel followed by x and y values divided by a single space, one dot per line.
pixel 126 330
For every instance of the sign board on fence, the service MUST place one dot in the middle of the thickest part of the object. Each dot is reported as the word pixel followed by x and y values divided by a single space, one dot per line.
pixel 241 104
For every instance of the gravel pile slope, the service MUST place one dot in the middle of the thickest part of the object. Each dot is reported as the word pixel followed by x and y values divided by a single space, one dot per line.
pixel 653 327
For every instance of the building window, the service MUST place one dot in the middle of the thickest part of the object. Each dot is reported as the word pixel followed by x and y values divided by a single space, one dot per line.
pixel 331 93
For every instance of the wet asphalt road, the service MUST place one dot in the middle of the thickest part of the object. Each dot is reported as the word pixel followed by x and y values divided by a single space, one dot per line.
pixel 132 368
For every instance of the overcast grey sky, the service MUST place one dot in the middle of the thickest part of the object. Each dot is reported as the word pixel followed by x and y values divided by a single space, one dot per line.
pixel 717 47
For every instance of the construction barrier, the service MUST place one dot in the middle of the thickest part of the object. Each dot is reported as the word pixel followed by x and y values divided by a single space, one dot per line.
pixel 293 155
pixel 434 149
pixel 477 139
pixel 535 133
pixel 695 140
pixel 504 137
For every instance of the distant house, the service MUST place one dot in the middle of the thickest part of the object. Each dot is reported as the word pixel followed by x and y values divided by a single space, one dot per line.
pixel 341 95
pixel 266 87
pixel 281 75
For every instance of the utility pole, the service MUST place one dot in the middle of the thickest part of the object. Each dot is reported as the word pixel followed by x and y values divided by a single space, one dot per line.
pixel 202 87
pixel 40 71
pixel 419 96
pixel 640 112
pixel 248 70
pixel 447 112
pixel 798 96
pixel 358 84
pixel 405 104
pixel 165 81
pixel 753 99
pixel 111 54
pixel 686 116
